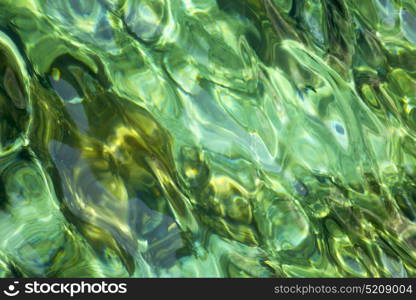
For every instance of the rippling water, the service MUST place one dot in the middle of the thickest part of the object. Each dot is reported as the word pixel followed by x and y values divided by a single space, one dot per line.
pixel 203 138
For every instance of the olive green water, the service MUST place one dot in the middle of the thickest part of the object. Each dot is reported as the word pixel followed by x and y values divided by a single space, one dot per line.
pixel 203 138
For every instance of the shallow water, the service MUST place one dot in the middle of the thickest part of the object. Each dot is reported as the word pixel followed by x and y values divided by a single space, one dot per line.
pixel 203 138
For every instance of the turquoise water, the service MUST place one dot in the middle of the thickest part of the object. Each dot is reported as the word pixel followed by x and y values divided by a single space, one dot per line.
pixel 203 138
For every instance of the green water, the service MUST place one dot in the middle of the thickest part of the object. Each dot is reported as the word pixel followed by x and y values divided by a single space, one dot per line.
pixel 203 138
